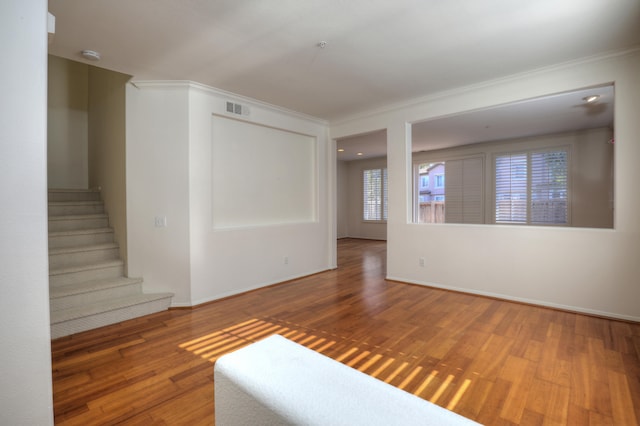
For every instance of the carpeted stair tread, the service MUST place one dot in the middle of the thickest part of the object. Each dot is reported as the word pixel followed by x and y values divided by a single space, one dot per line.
pixel 78 216
pixel 75 202
pixel 80 232
pixel 87 286
pixel 79 249
pixel 104 306
pixel 86 267
pixel 91 286
pixel 74 190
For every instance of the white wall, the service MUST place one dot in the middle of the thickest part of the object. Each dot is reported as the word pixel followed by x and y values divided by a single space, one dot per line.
pixel 86 135
pixel 225 262
pixel 588 270
pixel 106 92
pixel 342 199
pixel 107 146
pixel 157 173
pixel 169 173
pixel 25 359
pixel 67 135
pixel 261 176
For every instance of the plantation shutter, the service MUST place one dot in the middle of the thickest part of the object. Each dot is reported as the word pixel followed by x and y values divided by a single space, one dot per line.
pixel 463 191
pixel 453 190
pixel 371 192
pixel 549 187
pixel 511 188
pixel 473 197
pixel 532 188
pixel 374 192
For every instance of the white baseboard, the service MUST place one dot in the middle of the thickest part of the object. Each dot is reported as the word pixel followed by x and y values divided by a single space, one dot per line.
pixel 543 303
pixel 355 237
pixel 244 290
pixel 547 304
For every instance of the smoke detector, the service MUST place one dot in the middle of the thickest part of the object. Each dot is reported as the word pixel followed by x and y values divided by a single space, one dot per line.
pixel 91 55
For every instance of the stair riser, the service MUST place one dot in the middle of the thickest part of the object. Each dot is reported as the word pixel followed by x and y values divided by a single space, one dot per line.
pixel 111 317
pixel 74 196
pixel 90 275
pixel 63 241
pixel 75 224
pixel 71 209
pixel 65 260
pixel 95 296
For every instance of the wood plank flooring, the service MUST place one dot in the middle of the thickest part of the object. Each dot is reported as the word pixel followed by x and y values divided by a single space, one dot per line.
pixel 496 362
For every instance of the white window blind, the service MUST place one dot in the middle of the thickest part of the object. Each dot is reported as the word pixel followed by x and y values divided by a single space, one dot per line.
pixel 532 188
pixel 374 184
pixel 463 188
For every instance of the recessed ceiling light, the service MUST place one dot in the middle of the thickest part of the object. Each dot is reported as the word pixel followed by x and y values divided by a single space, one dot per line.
pixel 91 55
pixel 359 153
pixel 590 99
pixel 340 149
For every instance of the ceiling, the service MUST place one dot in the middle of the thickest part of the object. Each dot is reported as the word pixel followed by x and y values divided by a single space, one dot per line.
pixel 562 112
pixel 377 52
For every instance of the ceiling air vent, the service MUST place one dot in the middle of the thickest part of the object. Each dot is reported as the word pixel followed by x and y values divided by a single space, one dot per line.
pixel 238 109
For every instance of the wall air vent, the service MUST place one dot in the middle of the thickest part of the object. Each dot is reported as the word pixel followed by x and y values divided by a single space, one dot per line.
pixel 237 109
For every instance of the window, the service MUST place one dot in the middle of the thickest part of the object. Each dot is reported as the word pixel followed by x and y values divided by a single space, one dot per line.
pixel 458 181
pixel 374 184
pixel 532 188
pixel 426 210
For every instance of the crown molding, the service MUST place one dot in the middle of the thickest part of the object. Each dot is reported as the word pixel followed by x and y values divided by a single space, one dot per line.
pixel 484 84
pixel 234 97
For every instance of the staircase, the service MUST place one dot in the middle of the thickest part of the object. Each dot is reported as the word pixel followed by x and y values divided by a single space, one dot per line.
pixel 87 286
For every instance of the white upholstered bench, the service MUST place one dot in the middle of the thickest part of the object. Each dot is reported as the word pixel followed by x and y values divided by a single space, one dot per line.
pixel 278 382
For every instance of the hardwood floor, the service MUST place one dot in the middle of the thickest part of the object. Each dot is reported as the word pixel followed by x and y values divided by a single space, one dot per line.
pixel 496 362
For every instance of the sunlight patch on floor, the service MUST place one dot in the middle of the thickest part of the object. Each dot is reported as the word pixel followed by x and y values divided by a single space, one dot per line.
pixel 373 361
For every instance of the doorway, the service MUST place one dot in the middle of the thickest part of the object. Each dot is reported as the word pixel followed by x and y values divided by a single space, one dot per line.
pixel 361 186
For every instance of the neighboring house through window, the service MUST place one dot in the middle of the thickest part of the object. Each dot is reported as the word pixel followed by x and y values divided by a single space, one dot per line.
pixel 455 194
pixel 424 181
pixel 427 187
pixel 430 193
